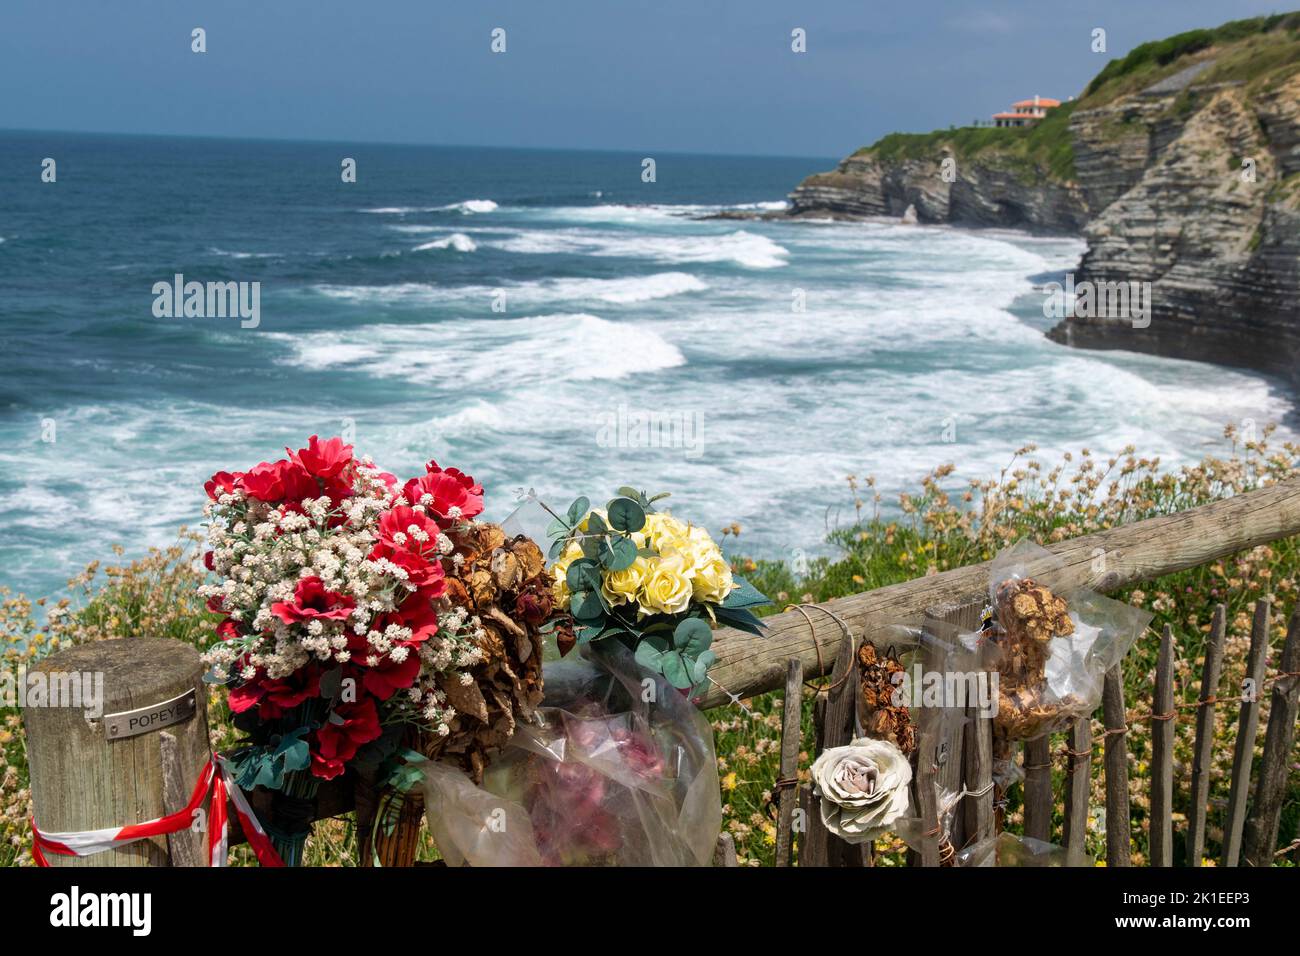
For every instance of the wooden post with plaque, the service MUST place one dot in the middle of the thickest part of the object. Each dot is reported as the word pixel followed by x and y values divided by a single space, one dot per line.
pixel 96 716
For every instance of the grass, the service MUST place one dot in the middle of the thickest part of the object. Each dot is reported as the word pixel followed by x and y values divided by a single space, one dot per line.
pixel 936 527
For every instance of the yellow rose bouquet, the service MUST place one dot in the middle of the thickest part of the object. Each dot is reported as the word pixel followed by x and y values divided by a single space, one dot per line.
pixel 651 581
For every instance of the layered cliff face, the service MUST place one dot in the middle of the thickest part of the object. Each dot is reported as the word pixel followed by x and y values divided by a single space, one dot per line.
pixel 976 193
pixel 1210 223
pixel 1154 179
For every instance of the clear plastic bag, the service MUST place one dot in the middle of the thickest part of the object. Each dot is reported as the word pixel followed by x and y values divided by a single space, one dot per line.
pixel 619 770
pixel 1007 849
pixel 1051 646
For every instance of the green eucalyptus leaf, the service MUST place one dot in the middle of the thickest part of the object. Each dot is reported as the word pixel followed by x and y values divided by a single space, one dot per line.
pixel 583 575
pixel 578 510
pixel 596 524
pixel 650 657
pixel 586 606
pixel 626 515
pixel 676 670
pixel 692 636
pixel 622 553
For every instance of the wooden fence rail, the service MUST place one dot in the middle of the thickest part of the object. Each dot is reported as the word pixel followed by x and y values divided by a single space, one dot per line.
pixel 1105 561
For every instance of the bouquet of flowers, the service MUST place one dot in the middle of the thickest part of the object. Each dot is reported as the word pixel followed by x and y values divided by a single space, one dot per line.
pixel 368 624
pixel 1050 646
pixel 648 580
pixel 618 770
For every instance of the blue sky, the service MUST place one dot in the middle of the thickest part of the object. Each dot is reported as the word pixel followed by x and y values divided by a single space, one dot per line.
pixel 684 75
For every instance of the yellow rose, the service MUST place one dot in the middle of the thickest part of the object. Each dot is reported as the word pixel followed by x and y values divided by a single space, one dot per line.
pixel 712 581
pixel 560 587
pixel 620 587
pixel 667 587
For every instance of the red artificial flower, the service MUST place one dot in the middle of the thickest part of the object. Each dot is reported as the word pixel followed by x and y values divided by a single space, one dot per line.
pixel 313 601
pixel 400 520
pixel 229 629
pixel 447 491
pixel 344 731
pixel 473 487
pixel 323 459
pixel 388 675
pixel 420 571
pixel 222 483
pixel 280 481
pixel 273 698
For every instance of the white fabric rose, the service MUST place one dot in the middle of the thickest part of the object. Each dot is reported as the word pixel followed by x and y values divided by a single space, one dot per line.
pixel 863 788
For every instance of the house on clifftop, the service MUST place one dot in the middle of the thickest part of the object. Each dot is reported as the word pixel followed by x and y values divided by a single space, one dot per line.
pixel 1026 112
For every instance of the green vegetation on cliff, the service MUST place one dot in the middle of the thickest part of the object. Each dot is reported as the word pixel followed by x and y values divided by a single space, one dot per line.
pixel 1259 51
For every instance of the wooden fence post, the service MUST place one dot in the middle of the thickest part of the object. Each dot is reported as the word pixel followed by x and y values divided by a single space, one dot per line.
pixel 90 771
pixel 1078 770
pixel 791 738
pixel 1118 835
pixel 1203 754
pixel 1243 753
pixel 1161 832
pixel 1266 815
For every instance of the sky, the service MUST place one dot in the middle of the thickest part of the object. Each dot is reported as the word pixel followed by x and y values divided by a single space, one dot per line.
pixel 712 76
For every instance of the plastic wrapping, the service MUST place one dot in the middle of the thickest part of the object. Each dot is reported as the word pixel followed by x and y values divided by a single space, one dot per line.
pixel 1051 646
pixel 619 770
pixel 1007 849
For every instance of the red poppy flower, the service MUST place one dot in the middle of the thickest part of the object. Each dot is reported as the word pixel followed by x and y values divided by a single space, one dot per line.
pixel 387 675
pixel 222 483
pixel 273 698
pixel 473 487
pixel 280 481
pixel 400 520
pixel 323 459
pixel 424 573
pixel 348 727
pixel 313 601
pixel 446 491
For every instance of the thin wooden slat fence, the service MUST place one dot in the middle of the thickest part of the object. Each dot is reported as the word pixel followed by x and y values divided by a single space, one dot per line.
pixel 1252 819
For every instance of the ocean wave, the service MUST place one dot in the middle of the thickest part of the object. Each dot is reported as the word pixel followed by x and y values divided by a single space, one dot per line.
pixel 457 240
pixel 746 249
pixel 620 291
pixel 503 353
pixel 243 255
pixel 472 206
pixel 467 206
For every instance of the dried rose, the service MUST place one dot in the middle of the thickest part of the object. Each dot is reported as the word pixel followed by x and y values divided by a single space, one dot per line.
pixel 863 788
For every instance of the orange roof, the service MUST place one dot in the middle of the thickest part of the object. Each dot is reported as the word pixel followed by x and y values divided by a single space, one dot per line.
pixel 1042 101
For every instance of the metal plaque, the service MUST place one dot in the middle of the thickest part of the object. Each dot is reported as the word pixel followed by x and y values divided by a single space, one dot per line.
pixel 132 723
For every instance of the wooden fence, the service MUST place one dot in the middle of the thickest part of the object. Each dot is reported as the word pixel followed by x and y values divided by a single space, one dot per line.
pixel 964 765
pixel 82 779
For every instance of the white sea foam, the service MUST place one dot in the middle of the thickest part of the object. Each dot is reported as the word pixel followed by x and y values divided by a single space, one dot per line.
pixel 457 240
pixel 747 249
pixel 496 354
pixel 621 291
pixel 243 255
pixel 473 206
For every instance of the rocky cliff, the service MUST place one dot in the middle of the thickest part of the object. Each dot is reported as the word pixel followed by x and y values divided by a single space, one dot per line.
pixel 1180 166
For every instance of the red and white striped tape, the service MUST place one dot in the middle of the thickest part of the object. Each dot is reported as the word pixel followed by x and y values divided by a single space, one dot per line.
pixel 215 781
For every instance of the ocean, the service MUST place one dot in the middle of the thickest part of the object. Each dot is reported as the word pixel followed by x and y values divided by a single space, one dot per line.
pixel 544 320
